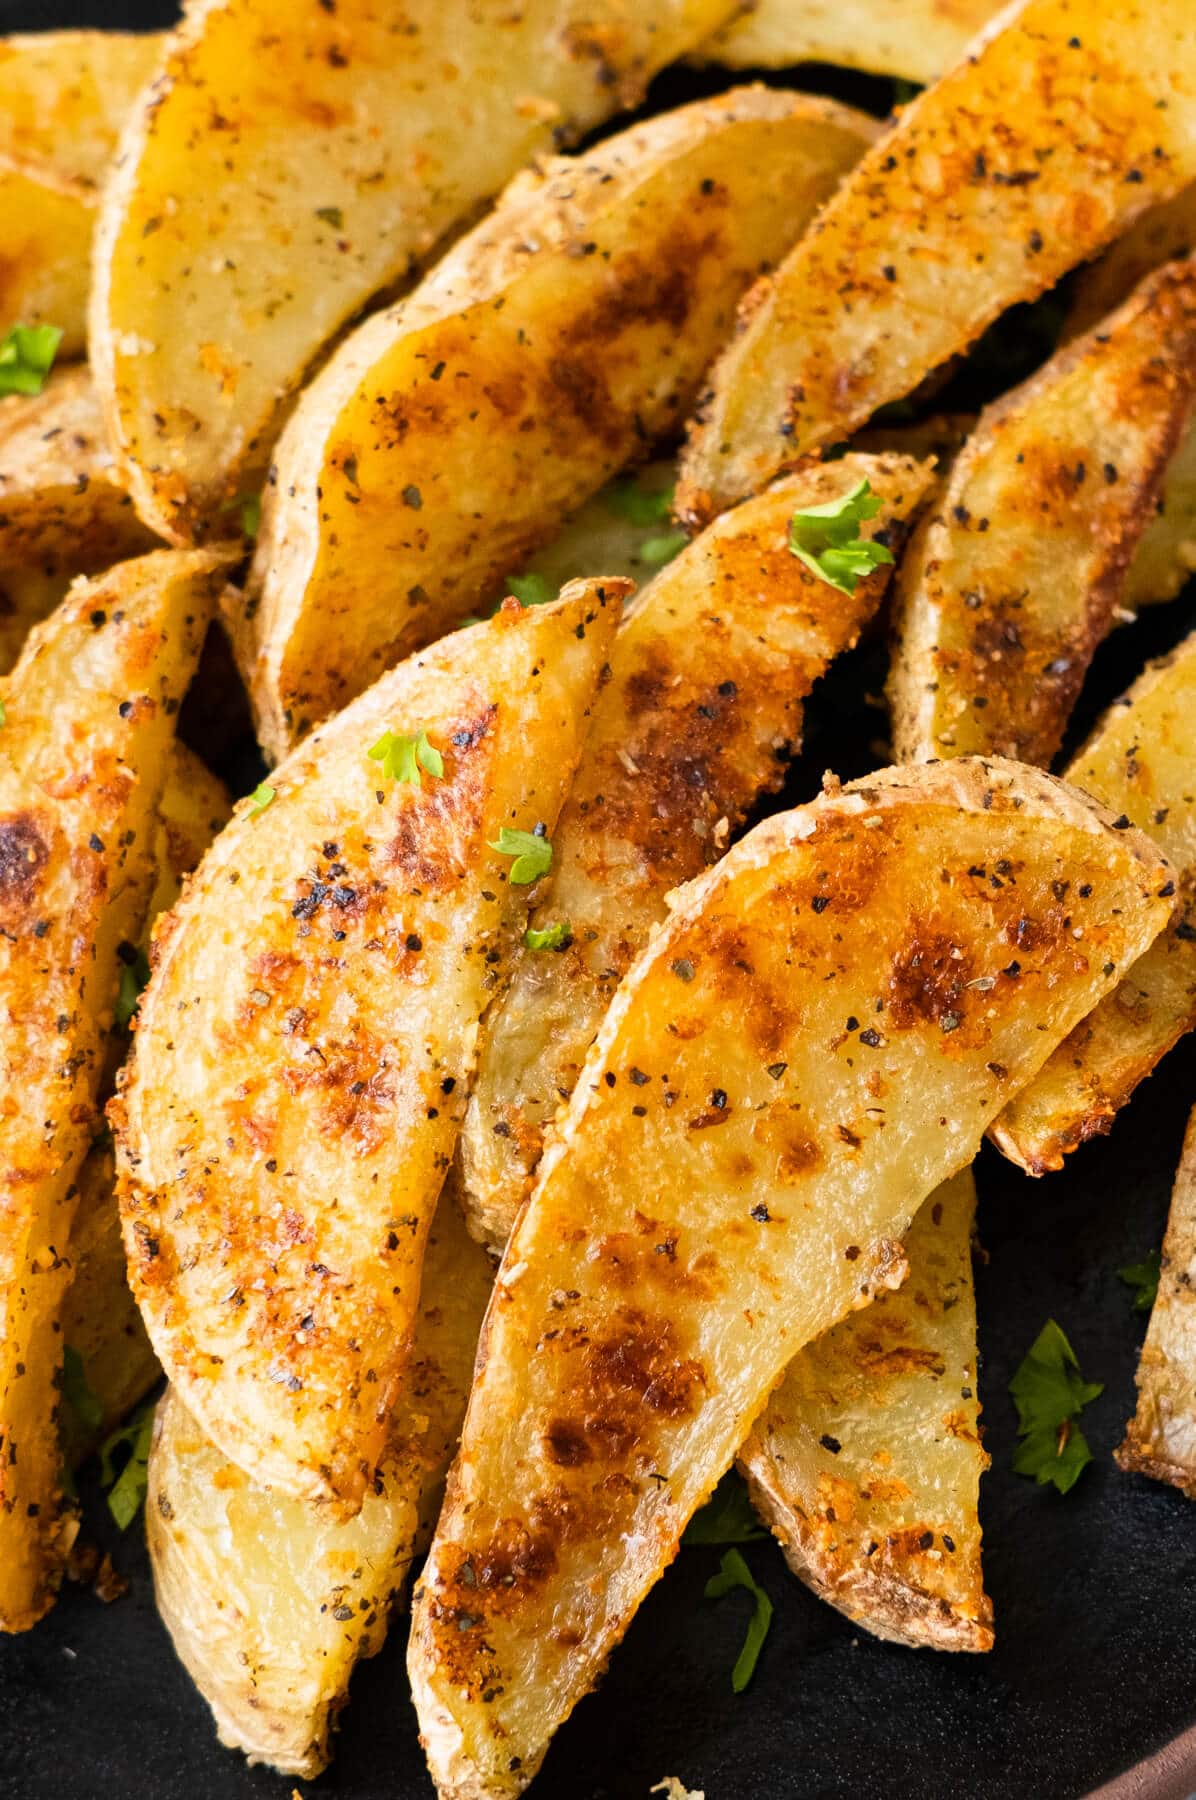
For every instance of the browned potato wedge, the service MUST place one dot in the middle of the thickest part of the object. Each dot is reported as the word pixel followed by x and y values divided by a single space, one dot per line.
pixel 1160 1439
pixel 708 678
pixel 1053 135
pixel 1141 762
pixel 88 717
pixel 62 513
pixel 63 98
pixel 271 1602
pixel 351 141
pixel 749 1142
pixel 866 1463
pixel 1015 578
pixel 915 40
pixel 452 435
pixel 1166 555
pixel 305 1046
pixel 1159 236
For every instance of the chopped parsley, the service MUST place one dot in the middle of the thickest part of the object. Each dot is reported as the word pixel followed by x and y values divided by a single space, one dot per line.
pixel 3 714
pixel 1143 1277
pixel 126 1488
pixel 1050 1394
pixel 403 755
pixel 553 937
pixel 626 499
pixel 134 973
pixel 331 215
pixel 532 590
pixel 734 1573
pixel 826 538
pixel 531 850
pixel 726 1518
pixel 260 798
pixel 26 358
pixel 249 506
pixel 76 1391
pixel 656 551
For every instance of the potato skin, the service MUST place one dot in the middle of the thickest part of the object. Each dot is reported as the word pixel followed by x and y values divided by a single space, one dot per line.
pixel 1014 579
pixel 672 1260
pixel 306 1042
pixel 448 437
pixel 866 1462
pixel 704 701
pixel 1058 128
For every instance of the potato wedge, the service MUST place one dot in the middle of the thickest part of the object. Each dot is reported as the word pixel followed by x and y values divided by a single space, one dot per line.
pixel 610 533
pixel 886 37
pixel 1015 578
pixel 708 678
pixel 281 1156
pixel 88 717
pixel 62 513
pixel 716 1198
pixel 1162 235
pixel 452 435
pixel 351 140
pixel 1165 559
pixel 271 1602
pixel 63 98
pixel 1059 128
pixel 866 1462
pixel 1140 762
pixel 1160 1439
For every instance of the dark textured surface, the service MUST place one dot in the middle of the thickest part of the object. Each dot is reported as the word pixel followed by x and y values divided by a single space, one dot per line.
pixel 1095 1665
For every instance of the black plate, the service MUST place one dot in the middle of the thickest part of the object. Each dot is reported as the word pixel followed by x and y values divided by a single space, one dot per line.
pixel 1095 1664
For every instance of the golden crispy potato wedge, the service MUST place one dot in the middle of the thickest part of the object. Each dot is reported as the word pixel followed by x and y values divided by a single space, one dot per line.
pixel 1015 578
pixel 88 717
pixel 350 141
pixel 1057 130
pixel 886 37
pixel 452 435
pixel 272 1602
pixel 1141 762
pixel 866 1462
pixel 62 513
pixel 814 1041
pixel 708 678
pixel 63 98
pixel 301 1061
pixel 1160 1439
pixel 1162 235
pixel 1165 559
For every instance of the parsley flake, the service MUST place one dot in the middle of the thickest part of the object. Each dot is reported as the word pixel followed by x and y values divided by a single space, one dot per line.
pixel 126 1490
pixel 531 850
pixel 626 499
pixel 77 1392
pixel 133 976
pixel 531 589
pixel 656 551
pixel 1143 1277
pixel 26 358
pixel 331 215
pixel 726 1518
pixel 1050 1394
pixel 734 1573
pixel 260 798
pixel 249 506
pixel 3 713
pixel 553 937
pixel 403 756
pixel 826 539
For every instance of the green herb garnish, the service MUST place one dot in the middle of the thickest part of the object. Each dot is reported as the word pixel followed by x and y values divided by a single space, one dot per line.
pixel 531 850
pixel 734 1573
pixel 26 358
pixel 133 976
pixel 532 590
pixel 403 756
pixel 76 1391
pixel 726 1518
pixel 331 215
pixel 1050 1394
pixel 656 551
pixel 126 1489
pixel 826 539
pixel 627 500
pixel 1143 1277
pixel 260 798
pixel 553 937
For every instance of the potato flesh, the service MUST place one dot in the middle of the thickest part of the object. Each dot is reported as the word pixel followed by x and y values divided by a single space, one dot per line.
pixel 886 37
pixel 1160 1439
pixel 305 1045
pixel 997 627
pixel 449 437
pixel 271 1602
pixel 1159 236
pixel 761 1196
pixel 708 678
pixel 61 511
pixel 1141 762
pixel 353 138
pixel 1021 162
pixel 89 717
pixel 866 1462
